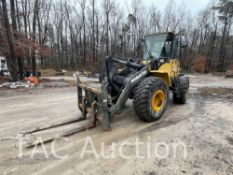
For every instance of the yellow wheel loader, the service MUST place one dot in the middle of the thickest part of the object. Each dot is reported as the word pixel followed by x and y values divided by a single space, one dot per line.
pixel 147 82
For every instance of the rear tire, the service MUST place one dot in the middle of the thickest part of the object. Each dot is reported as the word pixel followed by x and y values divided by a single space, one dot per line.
pixel 180 95
pixel 151 98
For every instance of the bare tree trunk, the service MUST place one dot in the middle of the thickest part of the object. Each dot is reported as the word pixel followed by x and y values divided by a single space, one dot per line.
pixel 28 13
pixel 18 16
pixel 72 42
pixel 84 39
pixel 93 30
pixel 97 35
pixel 83 7
pixel 66 44
pixel 107 33
pixel 12 59
pixel 14 26
pixel 213 38
pixel 24 9
pixel 40 38
pixel 222 48
pixel 35 14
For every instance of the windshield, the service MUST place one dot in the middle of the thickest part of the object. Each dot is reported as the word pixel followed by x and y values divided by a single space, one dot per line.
pixel 154 45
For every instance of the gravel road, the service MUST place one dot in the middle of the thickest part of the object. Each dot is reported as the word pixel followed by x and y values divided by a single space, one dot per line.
pixel 196 138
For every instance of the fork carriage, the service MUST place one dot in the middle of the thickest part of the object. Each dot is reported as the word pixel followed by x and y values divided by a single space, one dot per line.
pixel 90 101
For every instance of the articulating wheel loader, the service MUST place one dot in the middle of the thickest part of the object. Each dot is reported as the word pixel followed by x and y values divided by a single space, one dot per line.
pixel 146 81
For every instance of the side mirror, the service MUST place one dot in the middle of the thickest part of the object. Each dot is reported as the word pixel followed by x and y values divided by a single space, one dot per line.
pixel 183 42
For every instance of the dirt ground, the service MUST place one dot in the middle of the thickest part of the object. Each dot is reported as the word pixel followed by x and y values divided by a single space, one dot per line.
pixel 204 126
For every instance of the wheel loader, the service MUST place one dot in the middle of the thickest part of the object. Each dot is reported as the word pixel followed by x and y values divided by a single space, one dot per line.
pixel 147 82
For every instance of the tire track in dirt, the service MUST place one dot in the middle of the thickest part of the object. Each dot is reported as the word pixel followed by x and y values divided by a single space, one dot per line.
pixel 6 124
pixel 33 107
pixel 14 129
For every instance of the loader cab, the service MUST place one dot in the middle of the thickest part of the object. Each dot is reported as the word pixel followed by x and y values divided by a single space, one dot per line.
pixel 163 45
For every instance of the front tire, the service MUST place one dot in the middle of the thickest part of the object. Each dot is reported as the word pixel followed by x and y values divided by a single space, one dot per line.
pixel 151 98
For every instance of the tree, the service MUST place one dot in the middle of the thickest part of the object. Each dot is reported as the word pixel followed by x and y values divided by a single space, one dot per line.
pixel 82 4
pixel 93 30
pixel 12 59
pixel 212 41
pixel 14 27
pixel 225 9
pixel 108 5
pixel 35 14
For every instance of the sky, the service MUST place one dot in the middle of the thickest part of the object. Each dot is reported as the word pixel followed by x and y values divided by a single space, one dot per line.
pixel 193 6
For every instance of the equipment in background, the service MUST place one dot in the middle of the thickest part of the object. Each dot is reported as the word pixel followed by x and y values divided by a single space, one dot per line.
pixel 3 67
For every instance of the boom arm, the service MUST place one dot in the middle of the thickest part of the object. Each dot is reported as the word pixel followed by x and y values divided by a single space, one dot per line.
pixel 141 71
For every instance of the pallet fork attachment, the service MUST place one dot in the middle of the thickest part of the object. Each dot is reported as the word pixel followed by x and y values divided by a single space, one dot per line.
pixel 92 101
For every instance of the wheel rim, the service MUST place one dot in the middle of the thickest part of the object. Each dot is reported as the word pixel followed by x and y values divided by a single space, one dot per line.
pixel 157 101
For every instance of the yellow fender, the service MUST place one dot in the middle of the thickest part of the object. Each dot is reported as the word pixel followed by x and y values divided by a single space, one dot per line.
pixel 167 71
